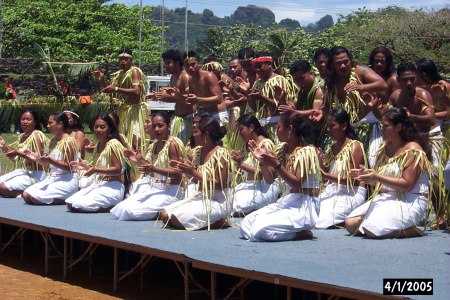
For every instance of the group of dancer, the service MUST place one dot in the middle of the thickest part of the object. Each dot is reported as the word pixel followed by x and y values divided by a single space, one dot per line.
pixel 288 151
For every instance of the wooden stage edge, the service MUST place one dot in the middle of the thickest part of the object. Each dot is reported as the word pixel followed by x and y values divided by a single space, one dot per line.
pixel 183 263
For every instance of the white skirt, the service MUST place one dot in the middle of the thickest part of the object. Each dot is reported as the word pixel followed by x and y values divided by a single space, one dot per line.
pixel 386 213
pixel 142 184
pixel 146 205
pixel 98 195
pixel 252 195
pixel 280 221
pixel 54 187
pixel 337 202
pixel 193 212
pixel 19 180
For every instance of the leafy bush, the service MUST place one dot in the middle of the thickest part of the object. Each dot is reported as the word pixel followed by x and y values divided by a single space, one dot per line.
pixel 2 90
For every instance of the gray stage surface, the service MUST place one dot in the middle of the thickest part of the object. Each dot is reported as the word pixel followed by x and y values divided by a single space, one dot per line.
pixel 332 257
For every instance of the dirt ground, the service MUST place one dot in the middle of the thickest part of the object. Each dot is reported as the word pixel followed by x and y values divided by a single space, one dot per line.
pixel 19 284
pixel 23 278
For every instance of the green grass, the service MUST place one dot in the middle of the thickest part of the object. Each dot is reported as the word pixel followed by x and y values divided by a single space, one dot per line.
pixel 8 165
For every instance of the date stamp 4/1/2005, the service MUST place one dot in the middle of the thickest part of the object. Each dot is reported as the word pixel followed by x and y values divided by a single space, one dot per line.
pixel 402 286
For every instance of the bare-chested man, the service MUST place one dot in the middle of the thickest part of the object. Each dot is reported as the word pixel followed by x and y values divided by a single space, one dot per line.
pixel 231 98
pixel 350 86
pixel 239 97
pixel 428 77
pixel 347 82
pixel 181 124
pixel 235 69
pixel 320 62
pixel 416 100
pixel 381 61
pixel 246 55
pixel 204 89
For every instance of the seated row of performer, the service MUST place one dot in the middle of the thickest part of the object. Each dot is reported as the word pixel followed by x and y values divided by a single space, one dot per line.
pixel 280 190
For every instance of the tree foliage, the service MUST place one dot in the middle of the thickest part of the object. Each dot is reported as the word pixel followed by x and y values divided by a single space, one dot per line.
pixel 286 45
pixel 76 29
pixel 90 29
pixel 226 43
pixel 419 34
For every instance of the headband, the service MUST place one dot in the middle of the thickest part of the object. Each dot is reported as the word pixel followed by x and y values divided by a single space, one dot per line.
pixel 191 57
pixel 262 59
pixel 212 65
pixel 71 112
pixel 124 54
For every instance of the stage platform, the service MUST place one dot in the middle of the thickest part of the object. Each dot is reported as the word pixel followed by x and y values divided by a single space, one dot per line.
pixel 332 263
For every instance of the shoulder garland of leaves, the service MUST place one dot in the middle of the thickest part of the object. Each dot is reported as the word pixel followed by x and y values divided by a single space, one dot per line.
pixel 31 143
pixel 343 162
pixel 219 160
pixel 353 103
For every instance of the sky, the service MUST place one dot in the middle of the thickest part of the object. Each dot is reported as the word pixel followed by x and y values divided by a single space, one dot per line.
pixel 294 9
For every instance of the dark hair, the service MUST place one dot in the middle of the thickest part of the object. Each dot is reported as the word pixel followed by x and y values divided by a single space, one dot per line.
pixel 190 54
pixel 200 114
pixel 114 134
pixel 334 52
pixel 408 133
pixel 125 50
pixel 321 51
pixel 389 65
pixel 210 58
pixel 60 116
pixel 249 119
pixel 35 117
pixel 302 127
pixel 174 55
pixel 300 65
pixel 405 67
pixel 262 53
pixel 163 115
pixel 212 126
pixel 428 67
pixel 342 117
pixel 277 62
pixel 115 117
pixel 77 124
pixel 246 53
pixel 234 58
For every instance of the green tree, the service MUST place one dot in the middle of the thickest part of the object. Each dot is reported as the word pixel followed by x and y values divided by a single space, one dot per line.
pixel 288 46
pixel 226 43
pixel 421 33
pixel 76 29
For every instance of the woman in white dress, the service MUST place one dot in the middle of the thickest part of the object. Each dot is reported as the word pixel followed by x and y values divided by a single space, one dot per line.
pixel 107 174
pixel 211 169
pixel 165 187
pixel 402 182
pixel 27 172
pixel 254 191
pixel 62 181
pixel 296 212
pixel 342 194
